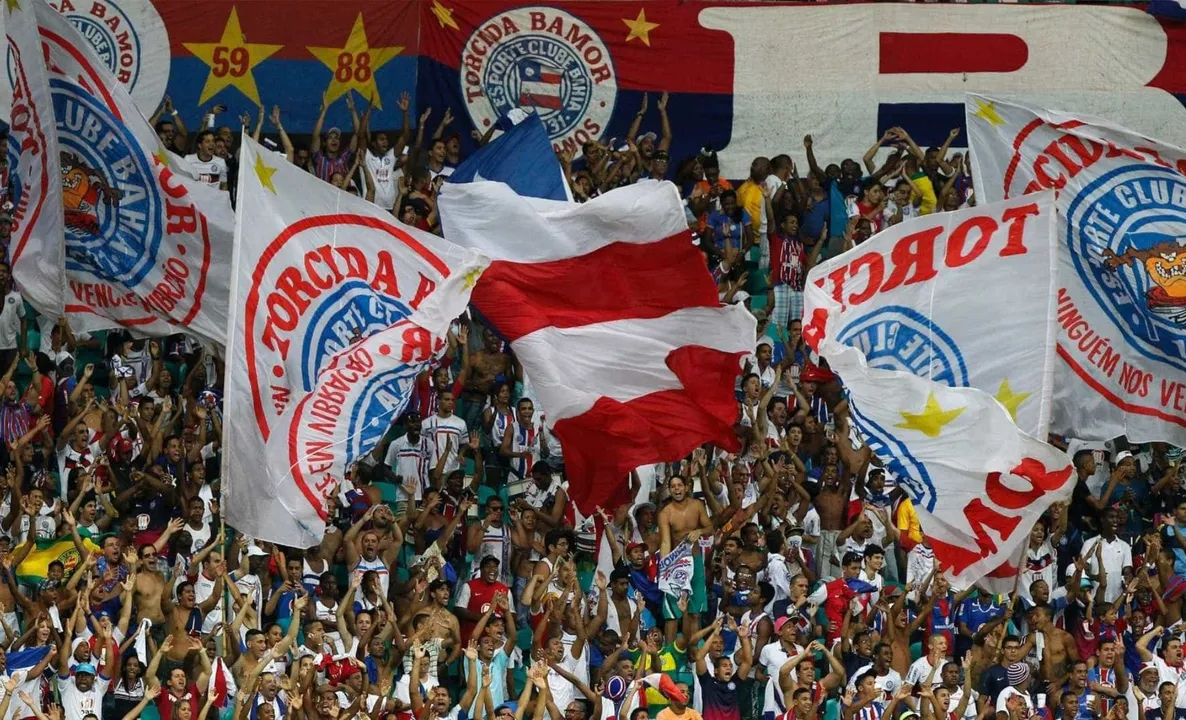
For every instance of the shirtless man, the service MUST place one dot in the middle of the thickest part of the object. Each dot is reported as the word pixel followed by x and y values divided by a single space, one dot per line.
pixel 258 654
pixel 683 519
pixel 486 365
pixel 1060 652
pixel 831 503
pixel 185 616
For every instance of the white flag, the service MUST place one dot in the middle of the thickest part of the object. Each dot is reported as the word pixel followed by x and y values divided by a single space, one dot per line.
pixel 35 248
pixel 977 482
pixel 335 308
pixel 1121 299
pixel 147 246
pixel 903 301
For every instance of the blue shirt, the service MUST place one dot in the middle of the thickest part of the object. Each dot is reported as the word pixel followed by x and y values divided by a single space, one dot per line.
pixel 726 228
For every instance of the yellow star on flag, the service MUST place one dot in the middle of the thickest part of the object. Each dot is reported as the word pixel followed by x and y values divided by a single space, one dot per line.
pixel 471 277
pixel 354 66
pixel 162 156
pixel 988 113
pixel 931 420
pixel 444 15
pixel 1010 399
pixel 13 5
pixel 264 173
pixel 640 28
pixel 231 61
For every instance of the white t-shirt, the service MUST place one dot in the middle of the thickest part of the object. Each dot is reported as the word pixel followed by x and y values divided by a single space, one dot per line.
pixel 77 704
pixel 10 320
pixel 919 670
pixel 439 431
pixel 410 462
pixel 1117 555
pixel 212 171
pixel 382 169
pixel 888 683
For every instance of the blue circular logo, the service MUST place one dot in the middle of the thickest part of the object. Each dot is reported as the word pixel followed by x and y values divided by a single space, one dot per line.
pixel 1126 232
pixel 543 72
pixel 899 338
pixel 544 60
pixel 352 312
pixel 896 337
pixel 378 403
pixel 113 208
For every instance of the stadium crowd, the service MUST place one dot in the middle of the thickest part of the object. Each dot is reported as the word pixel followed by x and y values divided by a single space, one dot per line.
pixel 455 580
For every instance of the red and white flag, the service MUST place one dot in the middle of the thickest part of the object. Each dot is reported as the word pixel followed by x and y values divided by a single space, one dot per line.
pixel 610 308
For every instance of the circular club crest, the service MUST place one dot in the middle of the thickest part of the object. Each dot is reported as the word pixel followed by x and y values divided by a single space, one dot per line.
pixel 129 37
pixel 329 332
pixel 349 292
pixel 1127 235
pixel 898 338
pixel 114 212
pixel 544 59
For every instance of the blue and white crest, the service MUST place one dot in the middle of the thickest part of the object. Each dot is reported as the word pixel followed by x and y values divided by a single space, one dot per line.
pixel 1126 232
pixel 376 405
pixel 113 206
pixel 352 312
pixel 542 58
pixel 899 338
pixel 896 337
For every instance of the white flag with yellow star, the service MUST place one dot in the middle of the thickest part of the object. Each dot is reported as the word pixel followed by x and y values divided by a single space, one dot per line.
pixel 963 298
pixel 1121 296
pixel 977 482
pixel 336 308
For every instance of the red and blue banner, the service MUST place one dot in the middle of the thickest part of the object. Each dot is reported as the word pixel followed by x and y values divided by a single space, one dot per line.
pixel 744 79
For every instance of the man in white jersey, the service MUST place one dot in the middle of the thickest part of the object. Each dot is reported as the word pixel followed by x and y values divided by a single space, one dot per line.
pixel 204 165
pixel 522 444
pixel 382 161
pixel 407 461
pixel 362 550
pixel 446 432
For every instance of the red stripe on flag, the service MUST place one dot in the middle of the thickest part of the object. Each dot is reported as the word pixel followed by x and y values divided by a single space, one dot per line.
pixel 603 444
pixel 617 282
pixel 951 52
pixel 551 102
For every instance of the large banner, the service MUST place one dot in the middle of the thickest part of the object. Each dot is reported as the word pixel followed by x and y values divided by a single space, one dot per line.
pixel 899 302
pixel 320 355
pixel 136 224
pixel 1122 290
pixel 745 79
pixel 880 315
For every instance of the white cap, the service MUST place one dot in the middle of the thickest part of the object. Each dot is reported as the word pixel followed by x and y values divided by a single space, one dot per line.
pixel 1121 456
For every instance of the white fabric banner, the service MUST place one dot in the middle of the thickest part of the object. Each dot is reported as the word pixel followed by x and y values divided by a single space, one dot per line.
pixel 35 248
pixel 334 309
pixel 676 569
pixel 1122 292
pixel 146 244
pixel 977 481
pixel 902 293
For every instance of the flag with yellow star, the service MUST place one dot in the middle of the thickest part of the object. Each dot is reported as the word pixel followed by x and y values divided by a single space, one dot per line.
pixel 941 331
pixel 973 309
pixel 246 55
pixel 977 481
pixel 314 377
pixel 1122 293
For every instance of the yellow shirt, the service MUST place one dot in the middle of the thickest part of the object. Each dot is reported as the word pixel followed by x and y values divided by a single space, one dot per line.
pixel 668 714
pixel 925 189
pixel 749 197
pixel 908 525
